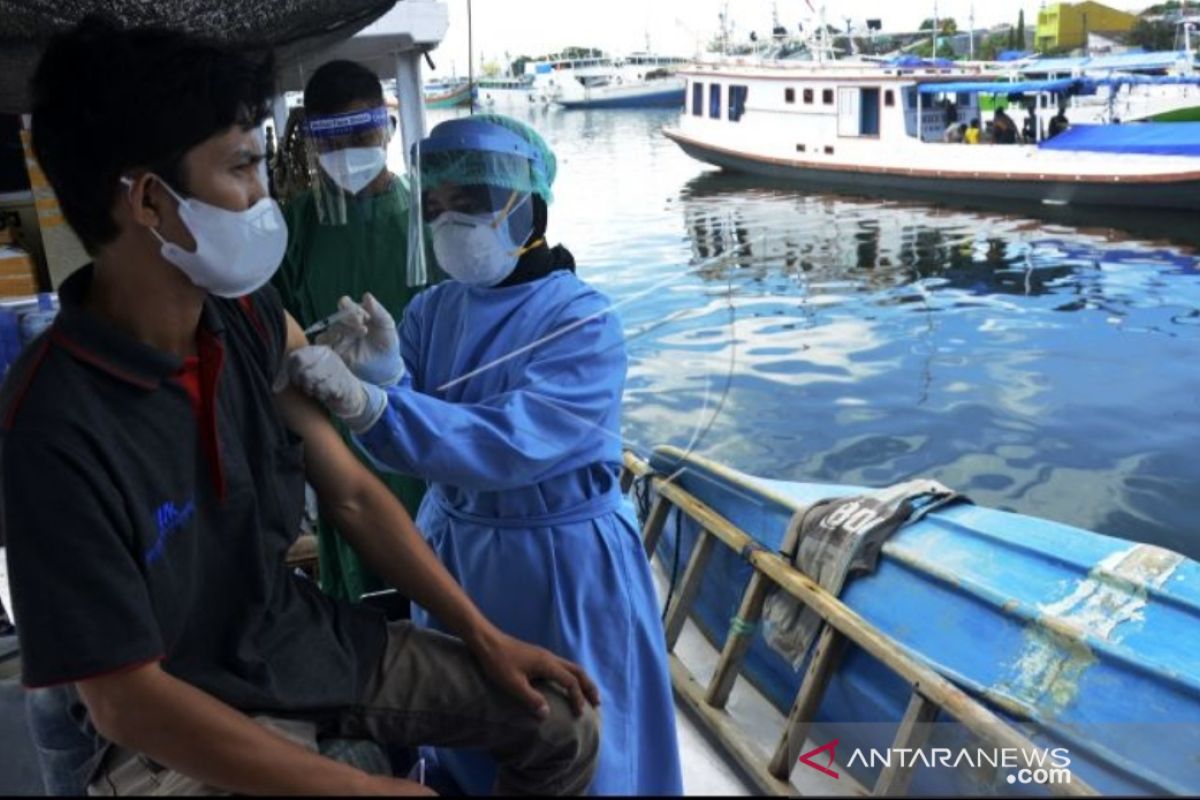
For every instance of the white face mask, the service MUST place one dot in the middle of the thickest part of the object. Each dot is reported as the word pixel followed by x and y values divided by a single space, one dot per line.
pixel 354 167
pixel 476 249
pixel 236 253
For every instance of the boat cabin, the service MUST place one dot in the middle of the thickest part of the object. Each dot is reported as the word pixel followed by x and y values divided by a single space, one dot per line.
pixel 865 104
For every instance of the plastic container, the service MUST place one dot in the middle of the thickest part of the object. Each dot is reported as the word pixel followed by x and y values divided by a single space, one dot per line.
pixel 10 339
pixel 38 319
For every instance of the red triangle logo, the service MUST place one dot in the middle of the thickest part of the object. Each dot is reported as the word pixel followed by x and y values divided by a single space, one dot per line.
pixel 831 747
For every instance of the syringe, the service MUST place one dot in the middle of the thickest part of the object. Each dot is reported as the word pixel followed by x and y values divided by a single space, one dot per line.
pixel 322 325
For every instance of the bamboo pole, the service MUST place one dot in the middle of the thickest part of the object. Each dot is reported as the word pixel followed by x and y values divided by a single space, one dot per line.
pixel 692 576
pixel 913 732
pixel 737 644
pixel 656 520
pixel 726 731
pixel 741 636
pixel 826 654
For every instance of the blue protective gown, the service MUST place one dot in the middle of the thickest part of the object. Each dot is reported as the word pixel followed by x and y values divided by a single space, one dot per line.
pixel 511 411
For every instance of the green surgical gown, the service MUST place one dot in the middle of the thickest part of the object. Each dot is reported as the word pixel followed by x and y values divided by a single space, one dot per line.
pixel 368 252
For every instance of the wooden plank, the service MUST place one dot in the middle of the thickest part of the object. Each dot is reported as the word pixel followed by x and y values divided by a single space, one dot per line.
pixel 938 690
pixel 656 520
pixel 626 480
pixel 824 662
pixel 686 593
pixel 914 730
pixel 738 642
pixel 726 731
pixel 741 635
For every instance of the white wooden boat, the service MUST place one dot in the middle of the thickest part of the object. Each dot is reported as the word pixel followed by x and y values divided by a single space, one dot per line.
pixel 862 127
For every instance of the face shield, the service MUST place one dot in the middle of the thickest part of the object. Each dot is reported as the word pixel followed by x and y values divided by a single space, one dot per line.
pixel 346 155
pixel 472 188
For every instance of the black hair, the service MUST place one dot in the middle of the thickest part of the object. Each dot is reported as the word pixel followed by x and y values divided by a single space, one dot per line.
pixel 337 84
pixel 107 100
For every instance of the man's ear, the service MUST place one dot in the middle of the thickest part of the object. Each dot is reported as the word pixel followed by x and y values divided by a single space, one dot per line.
pixel 145 196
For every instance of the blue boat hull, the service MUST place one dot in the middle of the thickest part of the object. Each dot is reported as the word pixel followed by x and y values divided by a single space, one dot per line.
pixel 669 99
pixel 1084 641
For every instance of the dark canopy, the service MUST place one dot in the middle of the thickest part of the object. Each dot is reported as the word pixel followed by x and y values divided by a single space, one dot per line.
pixel 295 28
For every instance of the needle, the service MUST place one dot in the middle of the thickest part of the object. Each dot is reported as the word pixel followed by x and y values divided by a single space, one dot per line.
pixel 323 324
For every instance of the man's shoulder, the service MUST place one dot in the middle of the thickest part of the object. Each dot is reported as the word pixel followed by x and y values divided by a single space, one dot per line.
pixel 260 319
pixel 41 387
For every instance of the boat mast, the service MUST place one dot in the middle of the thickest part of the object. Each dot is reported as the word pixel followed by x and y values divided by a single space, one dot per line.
pixel 933 48
pixel 725 31
pixel 470 59
pixel 971 32
pixel 822 35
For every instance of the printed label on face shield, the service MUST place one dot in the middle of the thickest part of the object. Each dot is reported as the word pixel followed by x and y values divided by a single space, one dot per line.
pixel 351 122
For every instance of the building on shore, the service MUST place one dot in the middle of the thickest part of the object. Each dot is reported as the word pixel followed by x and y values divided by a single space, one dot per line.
pixel 1065 26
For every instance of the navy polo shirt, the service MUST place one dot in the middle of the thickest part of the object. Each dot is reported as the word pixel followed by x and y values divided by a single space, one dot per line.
pixel 148 505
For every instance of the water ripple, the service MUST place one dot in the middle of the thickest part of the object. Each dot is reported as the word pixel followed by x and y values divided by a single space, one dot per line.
pixel 1040 366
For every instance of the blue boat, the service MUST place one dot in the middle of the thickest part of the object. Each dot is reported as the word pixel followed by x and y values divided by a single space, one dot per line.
pixel 1085 643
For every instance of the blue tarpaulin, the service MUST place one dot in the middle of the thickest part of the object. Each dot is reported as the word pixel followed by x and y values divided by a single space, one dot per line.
pixel 1000 87
pixel 1141 80
pixel 1119 61
pixel 1073 85
pixel 916 62
pixel 1147 138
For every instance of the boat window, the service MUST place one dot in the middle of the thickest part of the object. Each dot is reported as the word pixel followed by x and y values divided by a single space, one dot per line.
pixel 801 148
pixel 789 95
pixel 889 98
pixel 827 96
pixel 828 150
pixel 808 96
pixel 697 99
pixel 714 101
pixel 737 102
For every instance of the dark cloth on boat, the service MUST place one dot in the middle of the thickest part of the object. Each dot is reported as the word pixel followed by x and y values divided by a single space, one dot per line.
pixel 835 539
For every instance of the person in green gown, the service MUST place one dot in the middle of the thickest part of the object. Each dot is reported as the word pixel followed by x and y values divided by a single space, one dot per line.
pixel 348 233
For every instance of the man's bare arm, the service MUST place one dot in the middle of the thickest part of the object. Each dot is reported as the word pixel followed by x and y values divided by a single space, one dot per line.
pixel 187 730
pixel 379 529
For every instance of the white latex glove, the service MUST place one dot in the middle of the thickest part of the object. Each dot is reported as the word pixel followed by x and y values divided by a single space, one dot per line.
pixel 320 373
pixel 367 341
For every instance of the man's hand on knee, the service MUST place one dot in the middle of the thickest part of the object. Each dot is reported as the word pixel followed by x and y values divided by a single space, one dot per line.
pixel 514 666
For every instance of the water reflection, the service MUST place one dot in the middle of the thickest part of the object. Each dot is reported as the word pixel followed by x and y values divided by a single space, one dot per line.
pixel 1040 369
pixel 1041 362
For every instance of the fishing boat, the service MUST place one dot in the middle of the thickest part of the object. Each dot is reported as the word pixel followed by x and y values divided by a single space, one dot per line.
pixel 640 79
pixel 968 625
pixel 859 127
pixel 504 94
pixel 550 75
pixel 655 89
pixel 448 93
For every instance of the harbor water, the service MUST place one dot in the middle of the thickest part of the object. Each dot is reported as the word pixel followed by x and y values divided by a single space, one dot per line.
pixel 1040 362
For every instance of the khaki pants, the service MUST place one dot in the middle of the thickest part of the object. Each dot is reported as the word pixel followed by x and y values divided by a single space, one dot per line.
pixel 428 690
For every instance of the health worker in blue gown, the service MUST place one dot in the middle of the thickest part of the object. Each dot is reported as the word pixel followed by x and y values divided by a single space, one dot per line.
pixel 502 388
